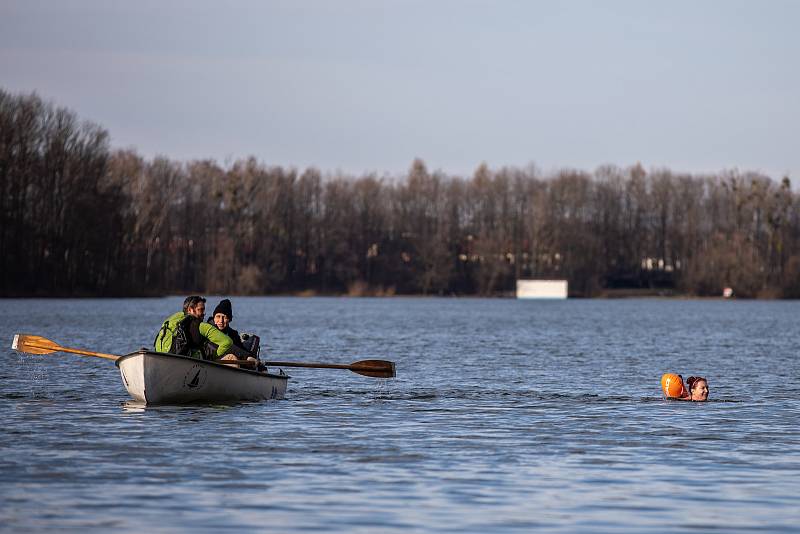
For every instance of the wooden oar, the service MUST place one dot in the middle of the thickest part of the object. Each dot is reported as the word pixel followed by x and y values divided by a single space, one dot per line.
pixel 41 345
pixel 374 368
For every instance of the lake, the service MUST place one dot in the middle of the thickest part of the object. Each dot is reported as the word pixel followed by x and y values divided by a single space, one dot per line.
pixel 505 416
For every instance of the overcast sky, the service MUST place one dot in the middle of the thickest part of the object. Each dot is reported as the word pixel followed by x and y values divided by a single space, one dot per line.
pixel 363 86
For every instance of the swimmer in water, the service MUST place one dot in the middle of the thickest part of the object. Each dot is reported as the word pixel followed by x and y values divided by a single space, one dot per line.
pixel 698 388
pixel 673 387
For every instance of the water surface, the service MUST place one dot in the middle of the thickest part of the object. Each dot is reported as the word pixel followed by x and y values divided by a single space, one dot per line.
pixel 505 416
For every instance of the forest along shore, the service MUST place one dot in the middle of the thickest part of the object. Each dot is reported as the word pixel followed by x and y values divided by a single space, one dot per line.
pixel 80 218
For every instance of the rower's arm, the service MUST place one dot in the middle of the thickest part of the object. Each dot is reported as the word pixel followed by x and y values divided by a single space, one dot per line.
pixel 222 341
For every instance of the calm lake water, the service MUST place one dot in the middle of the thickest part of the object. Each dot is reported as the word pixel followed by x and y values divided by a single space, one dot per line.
pixel 505 416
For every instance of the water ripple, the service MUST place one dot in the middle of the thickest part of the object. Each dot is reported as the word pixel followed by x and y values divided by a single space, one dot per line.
pixel 505 416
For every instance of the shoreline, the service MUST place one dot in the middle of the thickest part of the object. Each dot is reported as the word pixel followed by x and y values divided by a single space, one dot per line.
pixel 604 295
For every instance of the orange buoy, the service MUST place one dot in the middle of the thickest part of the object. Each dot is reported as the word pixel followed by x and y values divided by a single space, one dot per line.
pixel 672 385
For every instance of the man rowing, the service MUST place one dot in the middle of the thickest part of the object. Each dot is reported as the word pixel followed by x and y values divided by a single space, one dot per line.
pixel 185 333
pixel 244 349
pixel 221 318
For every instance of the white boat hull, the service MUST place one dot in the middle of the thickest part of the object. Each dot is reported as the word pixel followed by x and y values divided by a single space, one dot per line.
pixel 159 378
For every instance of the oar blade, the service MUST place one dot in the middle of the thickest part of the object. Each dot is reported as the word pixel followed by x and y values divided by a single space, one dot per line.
pixel 33 344
pixel 374 368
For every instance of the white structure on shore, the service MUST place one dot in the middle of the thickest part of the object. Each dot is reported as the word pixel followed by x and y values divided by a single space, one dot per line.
pixel 541 289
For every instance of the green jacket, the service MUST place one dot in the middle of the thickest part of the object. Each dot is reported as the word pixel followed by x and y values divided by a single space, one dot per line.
pixel 209 332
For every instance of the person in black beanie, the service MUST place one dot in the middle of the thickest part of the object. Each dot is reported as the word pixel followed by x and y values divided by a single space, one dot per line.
pixel 222 317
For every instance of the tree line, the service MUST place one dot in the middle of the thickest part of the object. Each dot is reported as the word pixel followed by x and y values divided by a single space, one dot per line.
pixel 78 217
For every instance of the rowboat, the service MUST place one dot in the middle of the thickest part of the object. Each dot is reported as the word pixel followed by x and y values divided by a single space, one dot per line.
pixel 161 378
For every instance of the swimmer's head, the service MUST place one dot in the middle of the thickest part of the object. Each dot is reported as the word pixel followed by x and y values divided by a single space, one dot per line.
pixel 698 388
pixel 672 385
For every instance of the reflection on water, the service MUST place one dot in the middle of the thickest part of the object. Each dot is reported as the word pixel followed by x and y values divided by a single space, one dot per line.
pixel 504 416
pixel 132 406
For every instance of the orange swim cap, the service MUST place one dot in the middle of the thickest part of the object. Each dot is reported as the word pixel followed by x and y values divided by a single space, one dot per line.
pixel 672 385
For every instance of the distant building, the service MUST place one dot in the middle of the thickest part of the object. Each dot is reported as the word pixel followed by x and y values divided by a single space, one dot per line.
pixel 541 289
